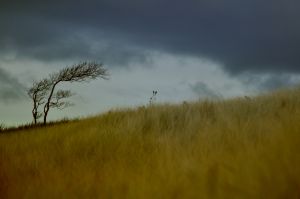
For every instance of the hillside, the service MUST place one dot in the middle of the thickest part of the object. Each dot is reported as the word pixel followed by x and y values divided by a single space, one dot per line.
pixel 238 148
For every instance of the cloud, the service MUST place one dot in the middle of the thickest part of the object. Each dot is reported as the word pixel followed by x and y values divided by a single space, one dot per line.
pixel 244 36
pixel 269 82
pixel 11 90
pixel 203 91
pixel 51 44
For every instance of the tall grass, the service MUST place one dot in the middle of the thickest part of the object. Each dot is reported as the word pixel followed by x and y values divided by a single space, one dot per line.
pixel 239 148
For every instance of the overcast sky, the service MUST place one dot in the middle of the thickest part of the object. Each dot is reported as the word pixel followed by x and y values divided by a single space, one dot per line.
pixel 186 50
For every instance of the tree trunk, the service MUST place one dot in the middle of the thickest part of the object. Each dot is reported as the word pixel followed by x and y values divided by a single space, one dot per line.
pixel 47 105
pixel 34 120
pixel 34 114
pixel 45 118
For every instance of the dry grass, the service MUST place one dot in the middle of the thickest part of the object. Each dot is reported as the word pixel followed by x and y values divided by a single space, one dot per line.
pixel 239 148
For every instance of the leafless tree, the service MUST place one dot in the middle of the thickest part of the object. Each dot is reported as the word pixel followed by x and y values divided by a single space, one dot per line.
pixel 46 95
pixel 37 93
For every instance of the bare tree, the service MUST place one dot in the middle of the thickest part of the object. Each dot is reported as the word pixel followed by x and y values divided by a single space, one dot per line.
pixel 37 93
pixel 82 72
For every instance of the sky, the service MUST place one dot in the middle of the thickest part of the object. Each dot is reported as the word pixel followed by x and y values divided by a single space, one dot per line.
pixel 186 50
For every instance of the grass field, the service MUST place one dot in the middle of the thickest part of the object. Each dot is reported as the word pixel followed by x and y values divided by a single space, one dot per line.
pixel 238 148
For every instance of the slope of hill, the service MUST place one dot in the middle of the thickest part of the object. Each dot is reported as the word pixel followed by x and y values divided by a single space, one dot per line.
pixel 238 148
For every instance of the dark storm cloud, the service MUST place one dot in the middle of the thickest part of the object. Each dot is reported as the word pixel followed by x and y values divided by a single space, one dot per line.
pixel 259 36
pixel 33 37
pixel 11 89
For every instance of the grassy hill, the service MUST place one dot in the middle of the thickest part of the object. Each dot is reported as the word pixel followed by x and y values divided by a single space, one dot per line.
pixel 238 148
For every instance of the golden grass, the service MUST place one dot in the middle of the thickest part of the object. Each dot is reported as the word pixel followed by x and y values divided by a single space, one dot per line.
pixel 239 148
